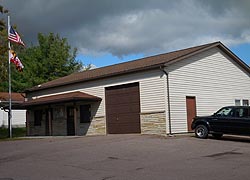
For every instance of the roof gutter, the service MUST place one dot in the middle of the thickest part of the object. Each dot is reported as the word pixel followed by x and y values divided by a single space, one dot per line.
pixel 168 100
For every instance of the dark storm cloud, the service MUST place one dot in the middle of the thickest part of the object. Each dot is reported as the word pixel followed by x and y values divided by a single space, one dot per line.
pixel 133 26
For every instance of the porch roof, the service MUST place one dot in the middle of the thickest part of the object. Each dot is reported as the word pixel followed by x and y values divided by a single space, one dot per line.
pixel 61 98
pixel 16 100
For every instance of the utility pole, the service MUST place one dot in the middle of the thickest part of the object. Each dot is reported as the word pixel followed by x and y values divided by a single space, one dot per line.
pixel 10 108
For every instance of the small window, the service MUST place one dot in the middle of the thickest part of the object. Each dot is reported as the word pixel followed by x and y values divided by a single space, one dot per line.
pixel 237 102
pixel 245 102
pixel 85 114
pixel 38 117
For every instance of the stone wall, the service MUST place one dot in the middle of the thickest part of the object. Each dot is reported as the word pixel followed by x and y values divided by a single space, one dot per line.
pixel 153 123
pixel 35 130
pixel 59 127
pixel 96 127
pixel 59 121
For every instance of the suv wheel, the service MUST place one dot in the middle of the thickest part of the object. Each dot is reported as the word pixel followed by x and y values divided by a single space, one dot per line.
pixel 201 131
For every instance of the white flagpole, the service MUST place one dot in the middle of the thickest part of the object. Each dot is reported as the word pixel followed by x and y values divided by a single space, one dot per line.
pixel 10 110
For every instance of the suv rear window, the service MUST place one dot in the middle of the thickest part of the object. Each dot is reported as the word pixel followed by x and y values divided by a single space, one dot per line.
pixel 242 112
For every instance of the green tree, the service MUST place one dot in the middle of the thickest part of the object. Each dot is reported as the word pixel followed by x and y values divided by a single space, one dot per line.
pixel 52 58
pixel 3 52
pixel 2 11
pixel 57 58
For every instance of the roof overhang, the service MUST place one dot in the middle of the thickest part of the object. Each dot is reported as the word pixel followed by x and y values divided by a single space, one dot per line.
pixel 14 105
pixel 61 98
pixel 16 100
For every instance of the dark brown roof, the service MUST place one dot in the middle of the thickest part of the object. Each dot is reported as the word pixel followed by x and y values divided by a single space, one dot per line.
pixel 16 100
pixel 18 97
pixel 136 65
pixel 59 98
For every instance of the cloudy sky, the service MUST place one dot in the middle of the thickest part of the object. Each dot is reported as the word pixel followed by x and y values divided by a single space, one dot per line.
pixel 113 31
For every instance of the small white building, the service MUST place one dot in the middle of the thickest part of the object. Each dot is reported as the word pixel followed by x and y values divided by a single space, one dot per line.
pixel 153 95
pixel 18 115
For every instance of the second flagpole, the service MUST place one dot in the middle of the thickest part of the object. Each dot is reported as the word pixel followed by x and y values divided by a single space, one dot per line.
pixel 10 108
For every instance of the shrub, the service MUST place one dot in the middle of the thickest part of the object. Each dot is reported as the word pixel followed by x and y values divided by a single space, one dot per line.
pixel 16 132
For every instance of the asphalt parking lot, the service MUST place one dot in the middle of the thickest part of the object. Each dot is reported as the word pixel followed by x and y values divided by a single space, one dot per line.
pixel 116 157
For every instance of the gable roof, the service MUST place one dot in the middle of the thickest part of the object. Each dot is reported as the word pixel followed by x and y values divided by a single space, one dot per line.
pixel 137 65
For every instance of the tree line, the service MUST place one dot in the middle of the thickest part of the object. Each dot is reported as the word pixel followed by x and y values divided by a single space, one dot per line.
pixel 50 59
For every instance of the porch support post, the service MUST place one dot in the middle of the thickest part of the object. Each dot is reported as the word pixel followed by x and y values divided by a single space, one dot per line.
pixel 50 123
pixel 75 120
pixel 28 122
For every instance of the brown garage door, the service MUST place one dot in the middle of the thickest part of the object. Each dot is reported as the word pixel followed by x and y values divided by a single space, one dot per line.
pixel 123 109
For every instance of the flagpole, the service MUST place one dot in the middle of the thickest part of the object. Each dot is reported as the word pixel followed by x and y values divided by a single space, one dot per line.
pixel 10 110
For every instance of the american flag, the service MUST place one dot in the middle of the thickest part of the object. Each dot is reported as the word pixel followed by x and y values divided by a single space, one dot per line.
pixel 14 36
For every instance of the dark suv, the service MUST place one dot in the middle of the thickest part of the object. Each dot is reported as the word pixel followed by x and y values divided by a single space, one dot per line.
pixel 228 120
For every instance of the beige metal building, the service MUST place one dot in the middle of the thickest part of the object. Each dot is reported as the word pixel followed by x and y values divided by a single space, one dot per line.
pixel 153 95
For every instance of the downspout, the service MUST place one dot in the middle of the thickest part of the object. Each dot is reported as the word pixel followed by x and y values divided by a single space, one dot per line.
pixel 168 98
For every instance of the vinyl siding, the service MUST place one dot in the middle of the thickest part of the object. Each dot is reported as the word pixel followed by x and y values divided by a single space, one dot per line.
pixel 152 94
pixel 18 118
pixel 151 90
pixel 212 77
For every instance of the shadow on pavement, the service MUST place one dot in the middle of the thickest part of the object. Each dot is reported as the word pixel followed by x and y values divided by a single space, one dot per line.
pixel 243 139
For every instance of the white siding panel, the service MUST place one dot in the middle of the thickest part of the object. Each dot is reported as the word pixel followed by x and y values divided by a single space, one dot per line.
pixel 212 77
pixel 18 118
pixel 151 89
pixel 152 94
pixel 3 118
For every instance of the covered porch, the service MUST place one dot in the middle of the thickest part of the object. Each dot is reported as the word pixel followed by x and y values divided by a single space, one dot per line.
pixel 63 114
